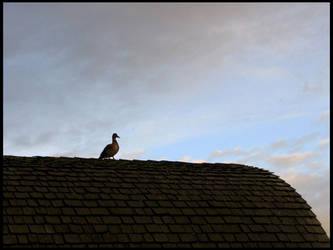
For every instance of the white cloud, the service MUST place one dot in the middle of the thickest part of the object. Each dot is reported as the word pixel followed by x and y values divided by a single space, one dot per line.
pixel 299 143
pixel 324 117
pixel 186 158
pixel 222 153
pixel 132 155
pixel 254 158
pixel 279 145
pixel 294 144
pixel 198 161
pixel 290 116
pixel 286 160
pixel 324 143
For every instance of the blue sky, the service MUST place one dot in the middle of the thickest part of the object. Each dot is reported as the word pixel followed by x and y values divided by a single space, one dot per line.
pixel 197 82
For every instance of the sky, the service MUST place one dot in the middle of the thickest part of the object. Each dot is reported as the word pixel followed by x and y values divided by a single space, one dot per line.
pixel 245 83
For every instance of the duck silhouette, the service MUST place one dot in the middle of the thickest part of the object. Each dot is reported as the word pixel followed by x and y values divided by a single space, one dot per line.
pixel 111 149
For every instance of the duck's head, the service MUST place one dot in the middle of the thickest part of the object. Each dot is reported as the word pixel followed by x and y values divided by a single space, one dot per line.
pixel 114 136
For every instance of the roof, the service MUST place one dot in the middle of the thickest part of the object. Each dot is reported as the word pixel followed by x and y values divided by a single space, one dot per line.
pixel 66 202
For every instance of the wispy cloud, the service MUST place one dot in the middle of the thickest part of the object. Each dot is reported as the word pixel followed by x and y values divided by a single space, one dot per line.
pixel 186 158
pixel 199 161
pixel 279 144
pixel 324 117
pixel 237 151
pixel 324 143
pixel 132 155
pixel 299 143
pixel 287 160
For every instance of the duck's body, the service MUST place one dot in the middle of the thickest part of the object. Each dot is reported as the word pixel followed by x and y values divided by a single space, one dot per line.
pixel 111 149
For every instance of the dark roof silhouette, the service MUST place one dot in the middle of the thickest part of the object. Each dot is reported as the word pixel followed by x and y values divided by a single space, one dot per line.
pixel 66 202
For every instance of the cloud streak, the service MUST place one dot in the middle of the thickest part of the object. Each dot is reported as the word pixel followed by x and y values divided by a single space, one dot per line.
pixel 132 155
pixel 287 160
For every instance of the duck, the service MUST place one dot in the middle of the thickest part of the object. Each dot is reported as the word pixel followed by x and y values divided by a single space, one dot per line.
pixel 110 150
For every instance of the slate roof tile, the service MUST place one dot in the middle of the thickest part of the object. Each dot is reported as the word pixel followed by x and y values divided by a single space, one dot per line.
pixel 76 202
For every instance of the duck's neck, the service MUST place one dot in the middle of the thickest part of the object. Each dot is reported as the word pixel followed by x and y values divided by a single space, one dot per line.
pixel 114 140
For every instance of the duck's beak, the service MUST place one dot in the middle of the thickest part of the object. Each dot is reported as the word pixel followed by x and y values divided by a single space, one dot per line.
pixel 118 136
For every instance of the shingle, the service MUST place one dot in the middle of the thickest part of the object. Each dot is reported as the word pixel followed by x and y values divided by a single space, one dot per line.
pixel 72 238
pixel 126 229
pixel 175 228
pixel 320 244
pixel 187 237
pixel 264 245
pixel 68 211
pixel 139 229
pixel 52 219
pixel 181 220
pixel 111 220
pixel 9 239
pixel 257 228
pixel 127 220
pixel 250 245
pixel 174 211
pixel 214 220
pixel 223 245
pixel 159 237
pixel 179 203
pixel 99 211
pixel 121 211
pixel 268 237
pixel 123 238
pixel 75 229
pixel 94 219
pixel 215 237
pixel 271 228
pixel 45 239
pixel 288 228
pixel 57 203
pixel 18 203
pixel 148 237
pixel 315 229
pixel 61 228
pixel 23 219
pixel 136 238
pixel 135 204
pixel 241 237
pixel 73 203
pixel 23 239
pixel 143 219
pixel 262 220
pixel 232 219
pixel 37 229
pixel 282 237
pixel 188 211
pixel 225 228
pixel 288 220
pixel 18 229
pixel 108 237
pixel 114 228
pixel 154 228
pixel 254 237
